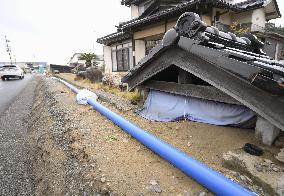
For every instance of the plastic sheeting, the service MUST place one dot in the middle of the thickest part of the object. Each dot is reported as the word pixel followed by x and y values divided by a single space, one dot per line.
pixel 161 106
pixel 83 96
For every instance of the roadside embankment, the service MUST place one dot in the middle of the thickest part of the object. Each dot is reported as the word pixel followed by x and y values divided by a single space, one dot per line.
pixel 79 151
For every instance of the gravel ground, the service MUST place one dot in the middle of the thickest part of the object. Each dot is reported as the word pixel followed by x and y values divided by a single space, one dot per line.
pixel 52 146
pixel 57 169
pixel 79 152
pixel 16 176
pixel 119 102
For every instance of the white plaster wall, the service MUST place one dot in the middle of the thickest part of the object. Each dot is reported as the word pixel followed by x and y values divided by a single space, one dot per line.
pixel 134 11
pixel 107 59
pixel 139 50
pixel 243 17
pixel 226 19
pixel 158 28
pixel 207 19
pixel 258 17
pixel 277 51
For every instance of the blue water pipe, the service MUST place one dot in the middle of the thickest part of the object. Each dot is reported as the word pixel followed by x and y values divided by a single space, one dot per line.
pixel 212 180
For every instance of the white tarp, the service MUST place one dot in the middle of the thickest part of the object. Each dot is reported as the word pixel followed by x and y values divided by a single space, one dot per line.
pixel 83 96
pixel 161 106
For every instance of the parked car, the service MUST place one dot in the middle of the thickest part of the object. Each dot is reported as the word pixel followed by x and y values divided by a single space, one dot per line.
pixel 11 71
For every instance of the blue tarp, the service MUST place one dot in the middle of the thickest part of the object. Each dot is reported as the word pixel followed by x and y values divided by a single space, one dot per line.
pixel 165 107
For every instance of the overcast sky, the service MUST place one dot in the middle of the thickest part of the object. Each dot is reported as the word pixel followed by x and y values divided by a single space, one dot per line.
pixel 53 30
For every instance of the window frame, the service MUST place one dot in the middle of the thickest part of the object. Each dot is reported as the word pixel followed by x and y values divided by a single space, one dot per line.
pixel 119 49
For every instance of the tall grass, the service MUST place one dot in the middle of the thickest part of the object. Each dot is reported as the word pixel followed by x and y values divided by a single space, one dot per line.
pixel 132 96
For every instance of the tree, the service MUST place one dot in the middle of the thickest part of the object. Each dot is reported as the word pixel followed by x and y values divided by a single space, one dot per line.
pixel 88 58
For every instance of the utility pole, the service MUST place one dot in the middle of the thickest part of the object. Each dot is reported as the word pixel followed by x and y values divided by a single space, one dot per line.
pixel 94 32
pixel 8 49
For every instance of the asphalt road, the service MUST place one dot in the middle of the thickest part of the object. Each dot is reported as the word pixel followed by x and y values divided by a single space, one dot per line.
pixel 9 91
pixel 16 171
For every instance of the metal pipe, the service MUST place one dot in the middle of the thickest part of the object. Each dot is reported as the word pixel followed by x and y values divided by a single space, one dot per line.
pixel 212 180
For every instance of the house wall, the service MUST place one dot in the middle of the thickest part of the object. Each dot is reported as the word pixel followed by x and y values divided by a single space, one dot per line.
pixel 151 32
pixel 139 50
pixel 159 28
pixel 277 50
pixel 154 32
pixel 270 49
pixel 134 11
pixel 258 17
pixel 243 17
pixel 207 19
pixel 107 59
pixel 225 18
pixel 171 23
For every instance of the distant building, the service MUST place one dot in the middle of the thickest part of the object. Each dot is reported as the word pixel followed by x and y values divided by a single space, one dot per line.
pixel 274 44
pixel 75 60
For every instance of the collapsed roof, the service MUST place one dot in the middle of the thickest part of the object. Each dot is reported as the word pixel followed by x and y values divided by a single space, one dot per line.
pixel 236 66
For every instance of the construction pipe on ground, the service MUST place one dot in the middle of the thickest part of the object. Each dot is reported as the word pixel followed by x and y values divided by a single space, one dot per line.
pixel 209 178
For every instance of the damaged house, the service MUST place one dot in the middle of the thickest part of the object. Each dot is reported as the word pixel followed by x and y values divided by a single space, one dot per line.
pixel 198 72
pixel 150 19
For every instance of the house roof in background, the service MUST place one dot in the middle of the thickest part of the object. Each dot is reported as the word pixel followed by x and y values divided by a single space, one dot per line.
pixel 114 37
pixel 254 4
pixel 174 11
pixel 270 34
pixel 134 24
pixel 183 7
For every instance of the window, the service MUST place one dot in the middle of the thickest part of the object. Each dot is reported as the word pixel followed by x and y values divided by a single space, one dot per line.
pixel 151 44
pixel 122 59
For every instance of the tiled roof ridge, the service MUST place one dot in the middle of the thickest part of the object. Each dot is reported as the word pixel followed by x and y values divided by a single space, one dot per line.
pixel 177 7
pixel 249 1
pixel 159 13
